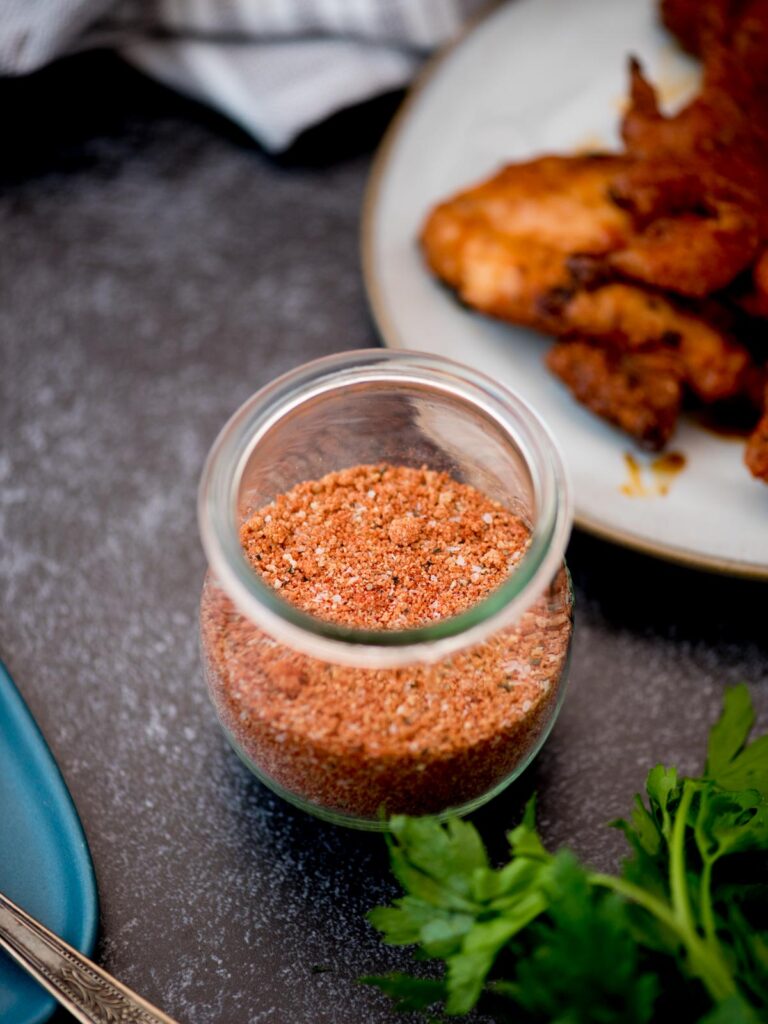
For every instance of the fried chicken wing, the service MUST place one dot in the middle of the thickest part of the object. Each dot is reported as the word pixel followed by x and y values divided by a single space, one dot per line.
pixel 629 318
pixel 695 190
pixel 515 246
pixel 557 201
pixel 640 392
pixel 718 141
pixel 503 243
pixel 691 249
pixel 650 266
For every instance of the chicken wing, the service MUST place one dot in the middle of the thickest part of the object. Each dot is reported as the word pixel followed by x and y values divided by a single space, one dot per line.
pixel 645 264
pixel 698 184
pixel 505 243
pixel 516 247
pixel 630 318
pixel 639 392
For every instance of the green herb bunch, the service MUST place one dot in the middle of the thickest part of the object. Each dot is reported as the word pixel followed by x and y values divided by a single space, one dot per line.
pixel 680 934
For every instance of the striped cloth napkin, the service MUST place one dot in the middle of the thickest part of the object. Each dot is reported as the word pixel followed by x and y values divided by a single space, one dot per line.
pixel 273 66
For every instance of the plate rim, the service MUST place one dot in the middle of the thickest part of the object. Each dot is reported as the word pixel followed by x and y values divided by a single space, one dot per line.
pixel 81 860
pixel 390 336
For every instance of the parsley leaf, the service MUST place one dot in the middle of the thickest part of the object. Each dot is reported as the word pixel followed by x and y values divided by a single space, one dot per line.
pixel 731 762
pixel 409 993
pixel 457 907
pixel 728 735
pixel 681 931
pixel 583 956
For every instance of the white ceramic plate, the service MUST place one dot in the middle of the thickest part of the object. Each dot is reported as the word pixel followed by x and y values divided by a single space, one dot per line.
pixel 549 76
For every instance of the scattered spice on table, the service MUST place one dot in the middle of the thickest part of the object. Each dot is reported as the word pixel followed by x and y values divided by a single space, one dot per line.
pixel 386 547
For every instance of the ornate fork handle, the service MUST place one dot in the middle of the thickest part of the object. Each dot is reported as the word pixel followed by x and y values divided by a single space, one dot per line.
pixel 89 993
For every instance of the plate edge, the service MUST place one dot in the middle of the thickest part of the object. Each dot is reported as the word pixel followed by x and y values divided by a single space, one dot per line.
pixel 91 930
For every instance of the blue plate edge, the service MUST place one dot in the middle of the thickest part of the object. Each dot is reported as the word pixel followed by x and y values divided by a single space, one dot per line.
pixel 85 942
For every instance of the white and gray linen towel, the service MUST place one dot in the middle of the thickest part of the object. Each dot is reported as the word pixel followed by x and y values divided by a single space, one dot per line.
pixel 273 66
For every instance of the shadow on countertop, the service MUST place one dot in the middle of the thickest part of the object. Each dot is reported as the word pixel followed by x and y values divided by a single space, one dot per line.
pixel 649 596
pixel 86 111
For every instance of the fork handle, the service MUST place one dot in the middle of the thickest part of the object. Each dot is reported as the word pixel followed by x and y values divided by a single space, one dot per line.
pixel 89 993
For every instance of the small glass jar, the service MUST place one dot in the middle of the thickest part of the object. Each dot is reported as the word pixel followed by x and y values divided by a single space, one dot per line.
pixel 435 719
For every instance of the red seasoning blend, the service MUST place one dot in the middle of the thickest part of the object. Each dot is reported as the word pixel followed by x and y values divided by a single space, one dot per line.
pixel 386 548
pixel 387 617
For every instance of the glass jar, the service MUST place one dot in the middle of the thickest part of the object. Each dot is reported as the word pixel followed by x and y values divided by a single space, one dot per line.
pixel 356 724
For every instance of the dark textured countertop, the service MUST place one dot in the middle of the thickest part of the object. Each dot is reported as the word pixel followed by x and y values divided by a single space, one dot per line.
pixel 156 269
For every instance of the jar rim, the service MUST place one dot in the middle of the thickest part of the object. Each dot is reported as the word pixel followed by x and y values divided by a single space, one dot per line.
pixel 335 642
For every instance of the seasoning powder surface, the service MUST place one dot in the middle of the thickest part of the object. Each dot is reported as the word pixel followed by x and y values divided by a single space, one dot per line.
pixel 386 547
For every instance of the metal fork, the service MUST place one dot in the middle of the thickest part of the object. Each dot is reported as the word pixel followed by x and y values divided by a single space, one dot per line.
pixel 88 992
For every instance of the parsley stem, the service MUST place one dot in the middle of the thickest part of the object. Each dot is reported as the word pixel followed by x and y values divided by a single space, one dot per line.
pixel 707 913
pixel 642 897
pixel 705 961
pixel 705 956
pixel 678 883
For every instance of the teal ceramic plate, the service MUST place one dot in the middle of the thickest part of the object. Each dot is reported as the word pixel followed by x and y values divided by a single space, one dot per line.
pixel 45 865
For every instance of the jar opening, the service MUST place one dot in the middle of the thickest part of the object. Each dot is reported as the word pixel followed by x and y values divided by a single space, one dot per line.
pixel 374 406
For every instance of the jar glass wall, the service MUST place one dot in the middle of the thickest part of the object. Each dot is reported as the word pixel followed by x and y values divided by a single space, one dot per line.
pixel 355 724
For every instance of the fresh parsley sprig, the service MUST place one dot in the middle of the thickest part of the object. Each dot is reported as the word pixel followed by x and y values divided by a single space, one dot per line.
pixel 681 933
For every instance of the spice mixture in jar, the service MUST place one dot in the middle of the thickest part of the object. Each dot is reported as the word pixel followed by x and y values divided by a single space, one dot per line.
pixel 386 547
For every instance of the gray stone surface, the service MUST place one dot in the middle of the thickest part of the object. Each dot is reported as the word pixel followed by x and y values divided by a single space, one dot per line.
pixel 154 271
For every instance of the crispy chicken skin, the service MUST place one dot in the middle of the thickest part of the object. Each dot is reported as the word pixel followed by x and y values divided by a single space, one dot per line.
pixel 695 189
pixel 504 244
pixel 683 18
pixel 561 202
pixel 754 300
pixel 629 318
pixel 691 251
pixel 640 392
pixel 698 185
pixel 728 35
pixel 520 247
